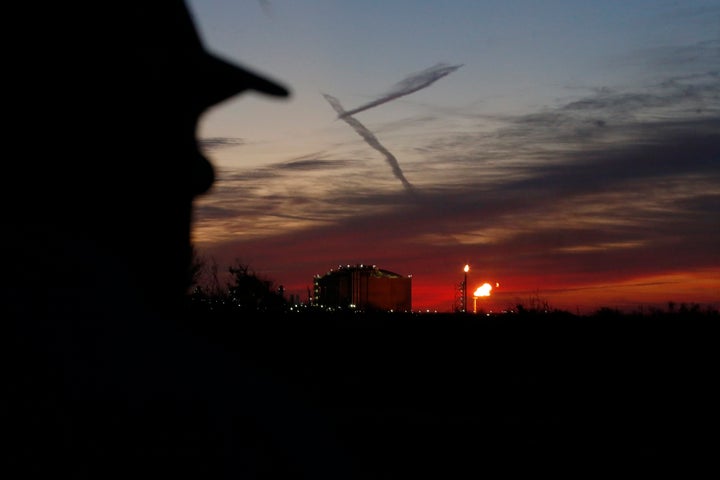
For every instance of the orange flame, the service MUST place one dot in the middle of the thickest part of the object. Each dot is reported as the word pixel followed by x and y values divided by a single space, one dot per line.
pixel 483 291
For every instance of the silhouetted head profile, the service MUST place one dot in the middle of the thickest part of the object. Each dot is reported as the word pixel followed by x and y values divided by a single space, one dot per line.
pixel 111 96
pixel 98 209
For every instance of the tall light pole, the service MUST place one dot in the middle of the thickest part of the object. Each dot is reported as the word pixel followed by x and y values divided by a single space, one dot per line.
pixel 466 270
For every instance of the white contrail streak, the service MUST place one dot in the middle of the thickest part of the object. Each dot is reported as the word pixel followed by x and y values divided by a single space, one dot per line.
pixel 410 84
pixel 371 139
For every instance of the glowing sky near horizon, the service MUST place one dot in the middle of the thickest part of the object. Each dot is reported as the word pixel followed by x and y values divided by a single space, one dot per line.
pixel 575 156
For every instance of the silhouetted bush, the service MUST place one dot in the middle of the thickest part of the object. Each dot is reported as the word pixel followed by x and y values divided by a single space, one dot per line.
pixel 245 293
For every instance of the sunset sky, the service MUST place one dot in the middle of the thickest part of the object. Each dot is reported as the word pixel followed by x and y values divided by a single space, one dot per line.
pixel 574 156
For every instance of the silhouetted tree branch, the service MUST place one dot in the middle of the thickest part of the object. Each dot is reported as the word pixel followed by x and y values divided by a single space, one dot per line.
pixel 246 292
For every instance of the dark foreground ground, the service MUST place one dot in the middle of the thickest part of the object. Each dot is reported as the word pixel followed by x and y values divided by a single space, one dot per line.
pixel 461 396
pixel 319 396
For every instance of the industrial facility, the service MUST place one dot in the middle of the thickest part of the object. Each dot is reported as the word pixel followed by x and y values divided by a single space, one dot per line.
pixel 363 288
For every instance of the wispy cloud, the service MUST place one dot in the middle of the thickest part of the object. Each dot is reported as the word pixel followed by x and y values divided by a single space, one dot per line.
pixel 216 143
pixel 313 165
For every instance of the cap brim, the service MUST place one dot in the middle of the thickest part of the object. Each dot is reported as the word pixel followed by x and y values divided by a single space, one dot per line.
pixel 232 79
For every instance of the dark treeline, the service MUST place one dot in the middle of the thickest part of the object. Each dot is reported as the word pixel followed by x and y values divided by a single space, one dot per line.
pixel 456 395
pixel 251 294
pixel 239 289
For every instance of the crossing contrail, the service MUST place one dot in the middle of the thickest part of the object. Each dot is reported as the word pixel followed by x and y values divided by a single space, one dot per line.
pixel 410 84
pixel 370 138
